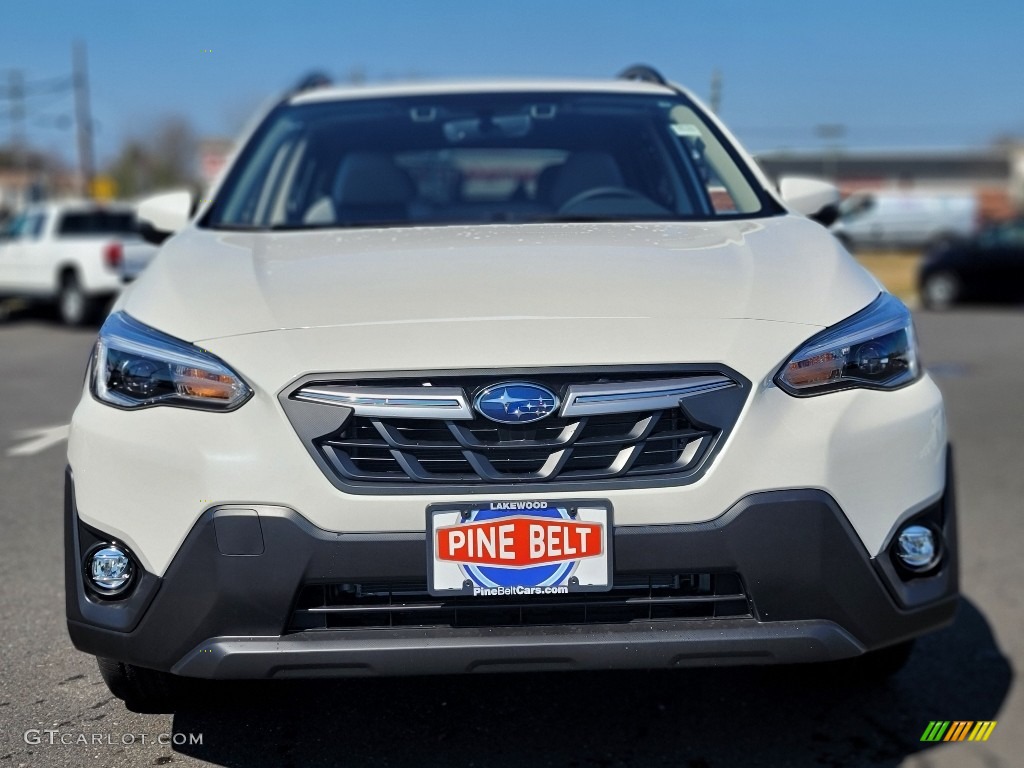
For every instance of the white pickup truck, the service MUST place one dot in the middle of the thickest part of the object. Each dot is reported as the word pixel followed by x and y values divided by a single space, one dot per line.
pixel 78 254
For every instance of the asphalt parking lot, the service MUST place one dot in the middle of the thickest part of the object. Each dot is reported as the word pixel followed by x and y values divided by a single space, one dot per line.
pixel 50 694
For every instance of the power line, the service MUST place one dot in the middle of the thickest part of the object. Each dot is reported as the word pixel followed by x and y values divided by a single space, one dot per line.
pixel 30 88
pixel 25 99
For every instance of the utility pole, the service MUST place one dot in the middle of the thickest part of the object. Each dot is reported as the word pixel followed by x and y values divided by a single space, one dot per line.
pixel 716 90
pixel 16 98
pixel 83 116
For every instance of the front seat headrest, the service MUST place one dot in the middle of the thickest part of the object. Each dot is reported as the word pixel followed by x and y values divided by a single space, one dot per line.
pixel 372 178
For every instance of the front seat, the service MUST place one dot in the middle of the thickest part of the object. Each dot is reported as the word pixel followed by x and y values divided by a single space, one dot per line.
pixel 369 188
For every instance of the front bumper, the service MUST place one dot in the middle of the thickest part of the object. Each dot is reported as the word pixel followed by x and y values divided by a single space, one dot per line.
pixel 814 591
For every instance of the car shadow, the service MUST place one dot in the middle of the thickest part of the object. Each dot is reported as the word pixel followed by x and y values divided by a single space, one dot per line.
pixel 15 312
pixel 698 718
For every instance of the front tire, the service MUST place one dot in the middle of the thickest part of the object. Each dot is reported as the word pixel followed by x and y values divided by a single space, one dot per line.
pixel 941 290
pixel 145 690
pixel 76 308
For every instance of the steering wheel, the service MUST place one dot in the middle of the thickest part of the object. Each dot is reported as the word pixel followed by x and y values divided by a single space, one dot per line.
pixel 596 192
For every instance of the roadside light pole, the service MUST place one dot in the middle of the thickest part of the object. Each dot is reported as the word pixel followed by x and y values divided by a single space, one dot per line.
pixel 716 91
pixel 832 134
pixel 83 116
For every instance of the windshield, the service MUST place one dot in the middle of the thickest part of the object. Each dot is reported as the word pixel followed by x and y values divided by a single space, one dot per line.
pixel 97 223
pixel 477 158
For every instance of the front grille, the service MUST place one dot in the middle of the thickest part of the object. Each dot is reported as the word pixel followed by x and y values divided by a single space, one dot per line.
pixel 480 451
pixel 644 597
pixel 422 449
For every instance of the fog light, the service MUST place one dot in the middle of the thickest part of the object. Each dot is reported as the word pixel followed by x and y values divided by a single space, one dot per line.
pixel 917 548
pixel 109 569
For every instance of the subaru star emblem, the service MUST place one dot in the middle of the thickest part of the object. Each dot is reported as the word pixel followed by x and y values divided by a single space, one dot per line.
pixel 516 402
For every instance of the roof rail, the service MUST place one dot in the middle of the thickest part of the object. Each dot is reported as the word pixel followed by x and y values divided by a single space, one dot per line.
pixel 308 82
pixel 643 73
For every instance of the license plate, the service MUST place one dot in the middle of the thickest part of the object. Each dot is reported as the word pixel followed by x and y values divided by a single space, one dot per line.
pixel 512 548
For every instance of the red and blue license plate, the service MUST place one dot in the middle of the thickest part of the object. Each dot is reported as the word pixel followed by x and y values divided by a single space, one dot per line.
pixel 513 548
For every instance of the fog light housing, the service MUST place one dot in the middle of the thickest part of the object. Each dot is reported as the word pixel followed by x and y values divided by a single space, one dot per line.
pixel 918 547
pixel 109 570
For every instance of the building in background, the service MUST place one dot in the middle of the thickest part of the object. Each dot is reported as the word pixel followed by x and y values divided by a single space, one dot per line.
pixel 213 155
pixel 27 176
pixel 995 175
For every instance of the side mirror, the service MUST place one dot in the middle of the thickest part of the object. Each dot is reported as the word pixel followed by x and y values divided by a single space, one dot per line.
pixel 162 215
pixel 815 199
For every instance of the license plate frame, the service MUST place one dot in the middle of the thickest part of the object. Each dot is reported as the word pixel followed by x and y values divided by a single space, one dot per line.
pixel 563 520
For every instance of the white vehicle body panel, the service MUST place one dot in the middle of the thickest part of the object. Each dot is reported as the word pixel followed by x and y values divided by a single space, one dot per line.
pixel 254 456
pixel 362 278
pixel 286 305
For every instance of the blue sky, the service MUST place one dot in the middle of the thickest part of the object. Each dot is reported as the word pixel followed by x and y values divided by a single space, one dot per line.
pixel 924 74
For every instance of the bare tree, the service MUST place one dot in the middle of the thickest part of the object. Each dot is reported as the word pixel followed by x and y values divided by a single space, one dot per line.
pixel 165 157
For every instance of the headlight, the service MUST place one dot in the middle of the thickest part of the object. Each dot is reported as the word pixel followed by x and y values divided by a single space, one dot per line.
pixel 875 349
pixel 135 366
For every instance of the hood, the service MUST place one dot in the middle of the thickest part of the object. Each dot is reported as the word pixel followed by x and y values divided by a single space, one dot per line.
pixel 206 284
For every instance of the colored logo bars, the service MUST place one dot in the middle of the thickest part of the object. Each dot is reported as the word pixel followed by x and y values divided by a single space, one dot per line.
pixel 958 730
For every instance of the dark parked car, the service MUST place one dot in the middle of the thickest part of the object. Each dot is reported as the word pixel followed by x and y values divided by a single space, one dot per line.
pixel 986 267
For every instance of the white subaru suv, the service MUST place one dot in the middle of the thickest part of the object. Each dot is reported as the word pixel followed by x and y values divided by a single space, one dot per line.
pixel 496 376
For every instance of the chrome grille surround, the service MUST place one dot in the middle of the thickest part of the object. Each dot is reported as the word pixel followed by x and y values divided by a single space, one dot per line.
pixel 418 433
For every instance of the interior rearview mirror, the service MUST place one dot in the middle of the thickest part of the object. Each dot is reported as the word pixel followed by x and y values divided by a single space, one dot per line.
pixel 160 216
pixel 814 198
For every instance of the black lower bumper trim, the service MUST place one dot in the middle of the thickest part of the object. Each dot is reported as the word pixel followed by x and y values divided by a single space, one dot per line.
pixel 614 646
pixel 816 594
